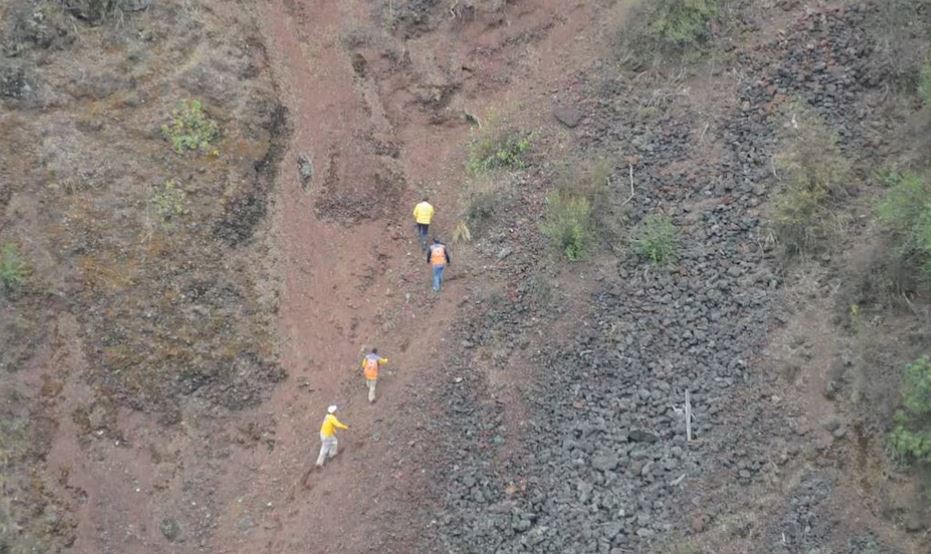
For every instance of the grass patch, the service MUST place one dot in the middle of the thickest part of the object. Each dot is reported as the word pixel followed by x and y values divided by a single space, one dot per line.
pixel 656 240
pixel 485 198
pixel 578 206
pixel 568 223
pixel 588 179
pixel 13 268
pixel 911 436
pixel 905 211
pixel 498 145
pixel 462 233
pixel 813 172
pixel 663 29
pixel 190 128
pixel 170 200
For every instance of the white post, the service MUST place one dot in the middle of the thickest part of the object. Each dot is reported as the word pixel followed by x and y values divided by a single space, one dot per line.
pixel 688 417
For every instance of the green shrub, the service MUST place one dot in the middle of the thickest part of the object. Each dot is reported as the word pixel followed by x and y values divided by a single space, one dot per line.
pixel 656 239
pixel 190 127
pixel 911 436
pixel 169 200
pixel 590 179
pixel 567 223
pixel 905 211
pixel 497 145
pixel 814 173
pixel 682 23
pixel 666 29
pixel 13 269
pixel 796 217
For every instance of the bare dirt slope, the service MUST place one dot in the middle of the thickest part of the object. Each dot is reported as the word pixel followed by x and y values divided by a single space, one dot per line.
pixel 174 444
pixel 135 331
pixel 383 121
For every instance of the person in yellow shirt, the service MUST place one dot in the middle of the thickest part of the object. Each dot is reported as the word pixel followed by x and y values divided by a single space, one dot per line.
pixel 328 436
pixel 423 215
pixel 370 365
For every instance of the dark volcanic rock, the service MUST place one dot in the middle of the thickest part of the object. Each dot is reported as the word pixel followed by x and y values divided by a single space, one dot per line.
pixel 567 115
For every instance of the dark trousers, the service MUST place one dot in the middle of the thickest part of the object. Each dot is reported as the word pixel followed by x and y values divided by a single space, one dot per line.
pixel 422 230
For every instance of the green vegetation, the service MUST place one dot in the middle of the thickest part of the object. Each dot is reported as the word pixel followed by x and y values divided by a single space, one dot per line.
pixel 906 212
pixel 656 239
pixel 568 223
pixel 683 23
pixel 497 145
pixel 664 29
pixel 911 436
pixel 13 269
pixel 577 206
pixel 814 173
pixel 190 127
pixel 169 200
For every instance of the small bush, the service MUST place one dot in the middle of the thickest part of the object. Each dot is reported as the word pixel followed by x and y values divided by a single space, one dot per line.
pixel 905 211
pixel 169 200
pixel 681 23
pixel 656 239
pixel 190 127
pixel 498 146
pixel 666 29
pixel 590 179
pixel 911 436
pixel 567 223
pixel 814 174
pixel 13 269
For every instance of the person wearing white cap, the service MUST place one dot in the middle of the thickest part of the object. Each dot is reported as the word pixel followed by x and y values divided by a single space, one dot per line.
pixel 328 435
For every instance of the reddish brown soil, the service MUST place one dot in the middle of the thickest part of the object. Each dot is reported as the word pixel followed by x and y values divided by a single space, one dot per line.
pixel 383 119
pixel 350 276
pixel 348 284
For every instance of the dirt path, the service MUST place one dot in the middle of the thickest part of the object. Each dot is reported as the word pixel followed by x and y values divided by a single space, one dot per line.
pixel 344 286
pixel 353 276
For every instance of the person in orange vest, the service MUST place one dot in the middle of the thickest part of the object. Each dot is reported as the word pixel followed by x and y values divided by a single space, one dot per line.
pixel 328 436
pixel 423 215
pixel 370 365
pixel 438 257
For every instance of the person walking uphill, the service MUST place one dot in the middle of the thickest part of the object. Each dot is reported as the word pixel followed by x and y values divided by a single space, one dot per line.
pixel 370 365
pixel 328 436
pixel 438 257
pixel 423 215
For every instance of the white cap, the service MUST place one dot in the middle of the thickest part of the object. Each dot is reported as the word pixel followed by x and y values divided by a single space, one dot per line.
pixel 331 409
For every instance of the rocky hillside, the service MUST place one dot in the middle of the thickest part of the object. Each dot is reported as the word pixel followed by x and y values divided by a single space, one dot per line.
pixel 688 309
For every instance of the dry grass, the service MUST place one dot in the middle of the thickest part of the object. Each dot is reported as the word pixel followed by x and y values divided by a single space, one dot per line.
pixel 814 174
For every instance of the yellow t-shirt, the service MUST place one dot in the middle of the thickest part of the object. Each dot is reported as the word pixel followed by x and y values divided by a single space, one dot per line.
pixel 330 425
pixel 423 213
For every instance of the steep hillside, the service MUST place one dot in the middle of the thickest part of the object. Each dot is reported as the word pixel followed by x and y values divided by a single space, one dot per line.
pixel 686 312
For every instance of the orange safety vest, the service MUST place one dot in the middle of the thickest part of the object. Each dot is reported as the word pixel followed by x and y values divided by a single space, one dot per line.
pixel 370 367
pixel 437 255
